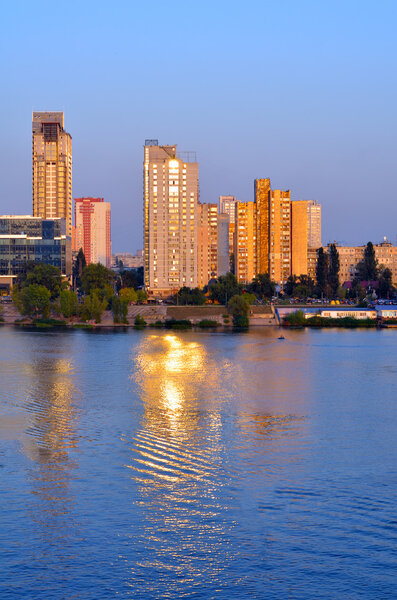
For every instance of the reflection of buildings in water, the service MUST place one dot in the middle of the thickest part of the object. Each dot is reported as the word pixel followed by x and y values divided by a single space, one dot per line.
pixel 272 376
pixel 51 436
pixel 177 457
pixel 275 382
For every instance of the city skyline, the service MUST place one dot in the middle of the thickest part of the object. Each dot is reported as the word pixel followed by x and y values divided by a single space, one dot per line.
pixel 310 112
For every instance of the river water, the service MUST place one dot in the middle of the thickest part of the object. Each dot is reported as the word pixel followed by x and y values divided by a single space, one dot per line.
pixel 161 465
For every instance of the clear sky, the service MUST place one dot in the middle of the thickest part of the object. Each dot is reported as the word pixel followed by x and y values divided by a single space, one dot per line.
pixel 301 91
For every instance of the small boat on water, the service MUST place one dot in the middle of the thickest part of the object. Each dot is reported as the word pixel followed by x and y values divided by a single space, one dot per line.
pixel 281 337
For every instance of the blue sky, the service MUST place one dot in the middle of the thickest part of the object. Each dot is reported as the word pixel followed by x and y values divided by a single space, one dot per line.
pixel 302 92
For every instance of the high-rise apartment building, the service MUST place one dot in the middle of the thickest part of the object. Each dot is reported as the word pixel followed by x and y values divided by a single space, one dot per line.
pixel 207 242
pixel 170 200
pixel 313 224
pixel 223 244
pixel 92 230
pixel 263 213
pixel 227 205
pixel 51 168
pixel 299 237
pixel 245 266
pixel 280 235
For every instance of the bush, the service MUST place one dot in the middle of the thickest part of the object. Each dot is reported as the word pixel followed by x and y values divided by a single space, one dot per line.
pixel 140 322
pixel 295 319
pixel 157 324
pixel 177 324
pixel 349 322
pixel 241 321
pixel 207 323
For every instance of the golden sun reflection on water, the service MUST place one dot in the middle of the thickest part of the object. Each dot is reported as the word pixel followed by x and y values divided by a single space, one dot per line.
pixel 170 370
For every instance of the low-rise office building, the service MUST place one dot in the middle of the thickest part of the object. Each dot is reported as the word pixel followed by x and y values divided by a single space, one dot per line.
pixel 26 238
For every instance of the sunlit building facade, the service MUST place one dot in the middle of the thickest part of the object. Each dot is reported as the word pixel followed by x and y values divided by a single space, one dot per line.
pixel 245 267
pixel 51 168
pixel 171 189
pixel 207 242
pixel 93 230
pixel 263 223
pixel 280 235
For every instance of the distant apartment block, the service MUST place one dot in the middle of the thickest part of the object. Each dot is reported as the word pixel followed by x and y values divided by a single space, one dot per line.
pixel 313 223
pixel 227 206
pixel 51 168
pixel 223 244
pixel 128 260
pixel 171 190
pixel 26 238
pixel 350 256
pixel 93 230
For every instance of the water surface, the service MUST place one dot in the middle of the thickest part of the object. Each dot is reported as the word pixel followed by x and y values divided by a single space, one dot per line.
pixel 198 465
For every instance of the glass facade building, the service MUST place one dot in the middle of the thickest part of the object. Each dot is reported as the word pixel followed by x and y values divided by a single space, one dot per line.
pixel 25 238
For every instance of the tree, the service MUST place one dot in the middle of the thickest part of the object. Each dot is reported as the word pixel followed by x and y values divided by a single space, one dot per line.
pixel 36 300
pixel 238 307
pixel 385 284
pixel 96 276
pixel 45 275
pixel 357 291
pixel 68 303
pixel 290 285
pixel 262 286
pixel 222 290
pixel 192 296
pixel 368 268
pixel 129 279
pixel 119 309
pixel 128 294
pixel 301 286
pixel 78 268
pixel 333 268
pixel 93 307
pixel 322 271
pixel 142 296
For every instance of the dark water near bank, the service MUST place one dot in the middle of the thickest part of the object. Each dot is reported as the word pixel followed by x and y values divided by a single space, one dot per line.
pixel 192 465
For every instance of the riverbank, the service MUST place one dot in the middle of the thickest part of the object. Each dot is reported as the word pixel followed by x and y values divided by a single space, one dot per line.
pixel 155 315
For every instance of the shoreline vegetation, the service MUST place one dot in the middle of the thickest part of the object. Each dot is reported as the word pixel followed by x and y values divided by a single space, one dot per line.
pixel 297 320
pixel 42 299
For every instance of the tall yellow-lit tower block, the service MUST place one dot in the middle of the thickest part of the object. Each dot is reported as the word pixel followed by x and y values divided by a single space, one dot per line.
pixel 51 168
pixel 299 237
pixel 170 198
pixel 262 199
pixel 280 235
pixel 245 256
